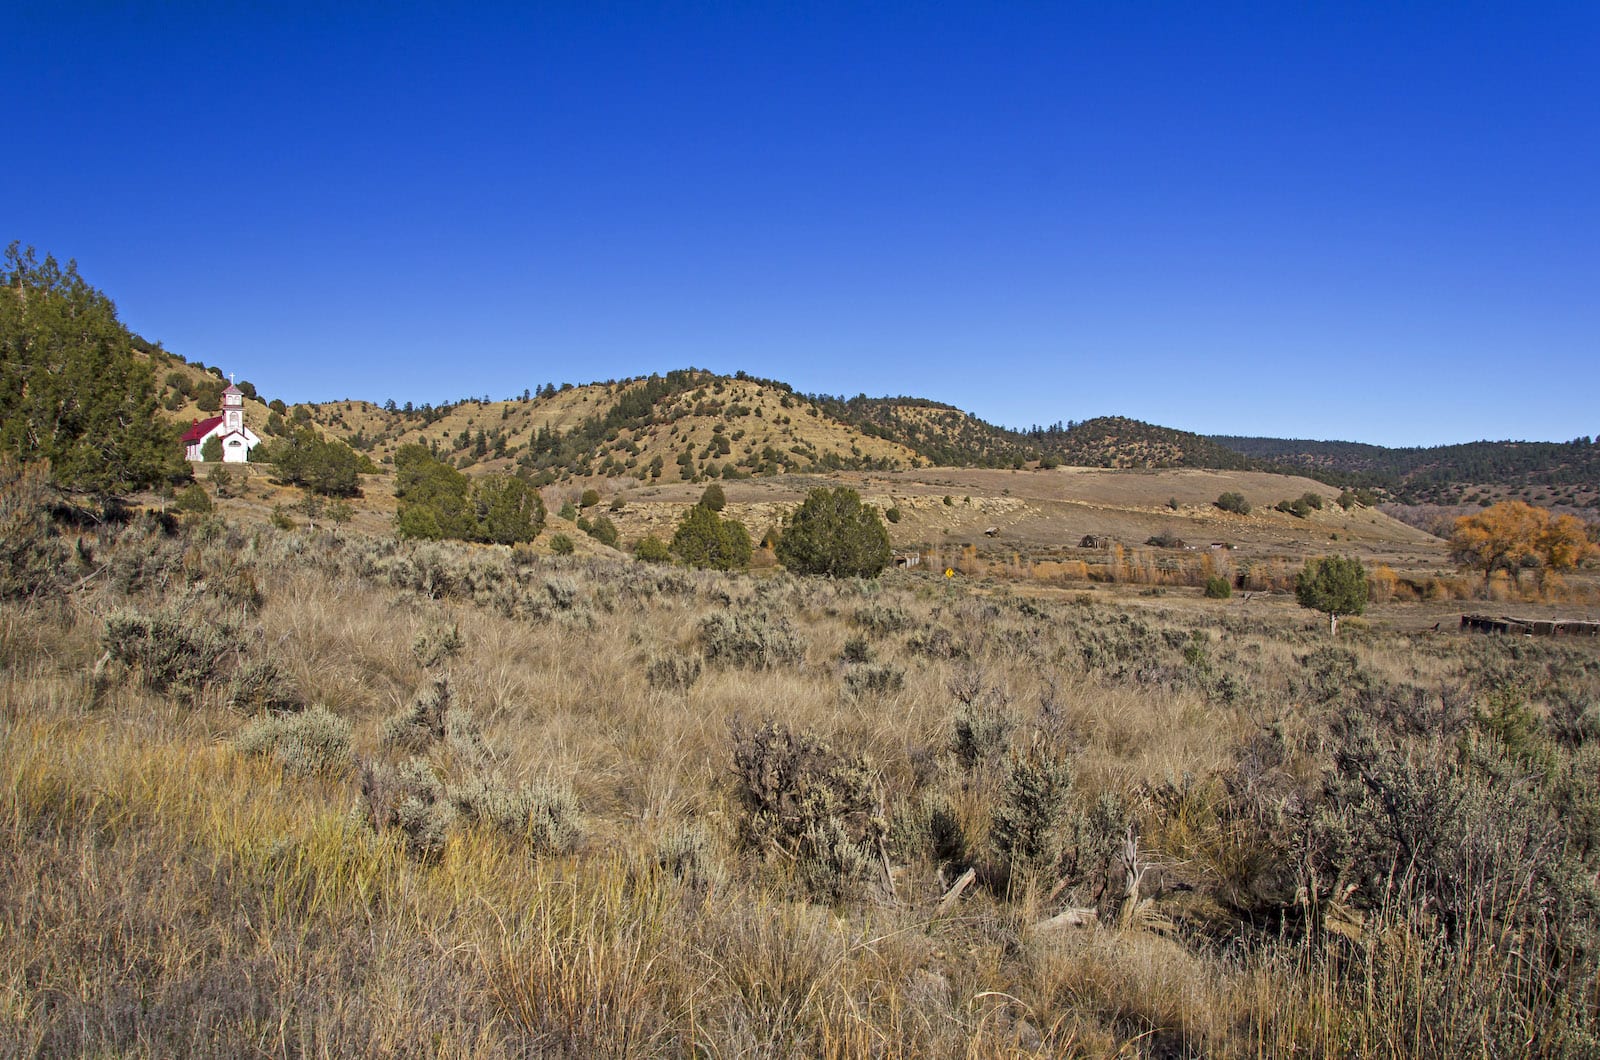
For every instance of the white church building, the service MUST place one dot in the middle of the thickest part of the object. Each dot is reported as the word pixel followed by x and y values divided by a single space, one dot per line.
pixel 237 439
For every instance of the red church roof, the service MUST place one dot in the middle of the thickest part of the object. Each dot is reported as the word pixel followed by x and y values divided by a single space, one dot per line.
pixel 200 429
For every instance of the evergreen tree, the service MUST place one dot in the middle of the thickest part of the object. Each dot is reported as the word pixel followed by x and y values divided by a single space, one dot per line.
pixel 1334 585
pixel 508 510
pixel 603 530
pixel 705 539
pixel 437 501
pixel 833 533
pixel 73 388
pixel 306 459
pixel 433 496
pixel 651 549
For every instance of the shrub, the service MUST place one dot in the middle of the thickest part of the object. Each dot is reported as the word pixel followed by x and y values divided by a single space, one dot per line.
pixel 505 510
pixel 713 498
pixel 422 723
pixel 1167 538
pixel 562 545
pixel 750 640
pixel 673 669
pixel 1234 502
pixel 411 799
pixel 892 514
pixel 865 679
pixel 1027 826
pixel 981 730
pixel 928 828
pixel 819 807
pixel 317 741
pixel 651 549
pixel 1218 588
pixel 563 592
pixel 193 498
pixel 1300 508
pixel 590 498
pixel 32 556
pixel 686 854
pixel 1483 849
pixel 834 533
pixel 543 815
pixel 569 511
pixel 170 649
pixel 331 468
pixel 221 480
pixel 879 619
pixel 211 450
pixel 261 686
pixel 856 650
pixel 1361 498
pixel 437 645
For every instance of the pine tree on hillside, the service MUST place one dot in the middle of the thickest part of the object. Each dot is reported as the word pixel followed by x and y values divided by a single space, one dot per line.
pixel 73 389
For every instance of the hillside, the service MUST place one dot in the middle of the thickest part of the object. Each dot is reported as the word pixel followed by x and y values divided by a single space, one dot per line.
pixel 940 434
pixel 947 437
pixel 1550 474
pixel 1116 441
pixel 686 424
pixel 692 424
pixel 100 403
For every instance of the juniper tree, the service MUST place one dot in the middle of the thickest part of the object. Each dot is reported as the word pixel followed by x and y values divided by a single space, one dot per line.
pixel 1334 585
pixel 73 390
pixel 834 533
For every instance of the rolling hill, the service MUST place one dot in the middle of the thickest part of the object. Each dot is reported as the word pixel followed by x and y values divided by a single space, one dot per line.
pixel 1544 473
pixel 691 423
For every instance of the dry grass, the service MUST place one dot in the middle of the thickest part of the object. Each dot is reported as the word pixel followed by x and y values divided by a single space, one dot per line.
pixel 170 894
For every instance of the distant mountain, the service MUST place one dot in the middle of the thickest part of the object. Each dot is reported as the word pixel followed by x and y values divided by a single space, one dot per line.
pixel 1545 473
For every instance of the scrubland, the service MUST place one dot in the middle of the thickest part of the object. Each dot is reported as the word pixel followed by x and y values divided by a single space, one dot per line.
pixel 290 792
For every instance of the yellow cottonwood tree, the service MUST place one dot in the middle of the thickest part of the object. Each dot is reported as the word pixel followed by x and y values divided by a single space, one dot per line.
pixel 1512 534
pixel 1564 543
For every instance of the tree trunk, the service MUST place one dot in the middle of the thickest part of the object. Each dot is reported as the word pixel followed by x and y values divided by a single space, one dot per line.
pixel 1333 624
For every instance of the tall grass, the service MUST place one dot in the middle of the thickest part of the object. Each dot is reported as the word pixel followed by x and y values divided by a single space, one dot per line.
pixel 170 892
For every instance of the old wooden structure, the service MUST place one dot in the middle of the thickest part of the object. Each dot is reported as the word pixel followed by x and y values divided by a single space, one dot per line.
pixel 1529 627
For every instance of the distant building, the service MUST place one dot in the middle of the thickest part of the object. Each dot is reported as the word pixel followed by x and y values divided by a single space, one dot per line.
pixel 237 439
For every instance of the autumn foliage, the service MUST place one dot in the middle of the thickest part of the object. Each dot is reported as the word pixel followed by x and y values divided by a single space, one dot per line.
pixel 1513 534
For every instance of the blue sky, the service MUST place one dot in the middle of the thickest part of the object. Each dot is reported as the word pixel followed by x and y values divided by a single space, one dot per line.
pixel 1376 222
